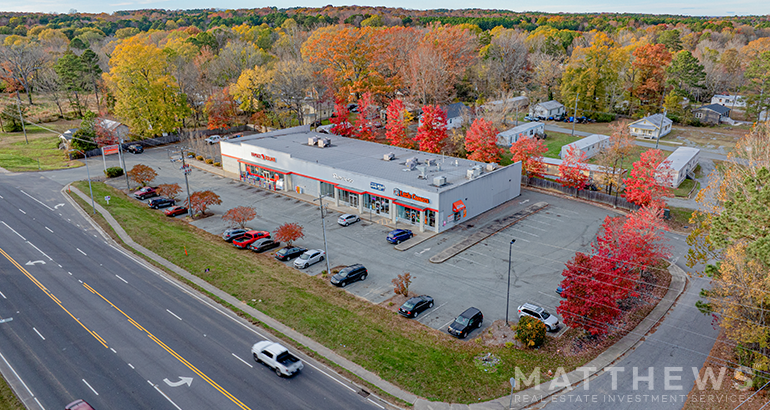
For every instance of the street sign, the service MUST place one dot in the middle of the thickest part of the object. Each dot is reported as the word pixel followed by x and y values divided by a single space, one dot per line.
pixel 110 149
pixel 107 198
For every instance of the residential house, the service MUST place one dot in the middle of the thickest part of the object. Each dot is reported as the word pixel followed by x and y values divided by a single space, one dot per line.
pixel 66 138
pixel 648 126
pixel 528 130
pixel 731 101
pixel 712 114
pixel 314 111
pixel 590 145
pixel 454 115
pixel 547 109
pixel 677 166
pixel 115 128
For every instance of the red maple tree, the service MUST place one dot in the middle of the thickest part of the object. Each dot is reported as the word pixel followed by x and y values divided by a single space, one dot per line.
pixel 220 109
pixel 340 119
pixel 142 174
pixel 481 141
pixel 239 215
pixel 104 136
pixel 573 171
pixel 646 184
pixel 432 132
pixel 200 201
pixel 530 152
pixel 289 232
pixel 364 126
pixel 396 125
pixel 169 190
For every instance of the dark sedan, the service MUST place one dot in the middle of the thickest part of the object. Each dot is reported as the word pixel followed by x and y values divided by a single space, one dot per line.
pixel 289 252
pixel 261 245
pixel 414 306
pixel 157 203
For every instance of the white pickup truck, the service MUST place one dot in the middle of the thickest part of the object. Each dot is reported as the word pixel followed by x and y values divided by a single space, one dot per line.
pixel 215 139
pixel 276 357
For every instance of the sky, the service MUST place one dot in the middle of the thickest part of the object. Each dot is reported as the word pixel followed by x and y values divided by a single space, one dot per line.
pixel 680 7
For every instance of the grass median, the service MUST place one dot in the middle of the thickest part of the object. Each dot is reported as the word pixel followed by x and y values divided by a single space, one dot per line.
pixel 419 359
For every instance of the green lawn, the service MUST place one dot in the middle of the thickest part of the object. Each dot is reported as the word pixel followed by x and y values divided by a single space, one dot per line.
pixel 20 156
pixel 422 360
pixel 555 141
pixel 8 400
pixel 685 188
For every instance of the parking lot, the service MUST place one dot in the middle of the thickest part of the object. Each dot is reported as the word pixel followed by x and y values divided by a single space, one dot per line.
pixel 475 277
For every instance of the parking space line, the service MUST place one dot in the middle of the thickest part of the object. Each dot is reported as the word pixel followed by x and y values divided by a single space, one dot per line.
pixel 446 324
pixel 534 219
pixel 532 227
pixel 473 262
pixel 434 310
pixel 519 230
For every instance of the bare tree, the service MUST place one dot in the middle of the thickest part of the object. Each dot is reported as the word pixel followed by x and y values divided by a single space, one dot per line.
pixel 506 61
pixel 546 72
pixel 21 62
pixel 49 82
pixel 621 145
pixel 291 81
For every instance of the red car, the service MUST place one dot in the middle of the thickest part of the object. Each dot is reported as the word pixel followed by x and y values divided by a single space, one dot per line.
pixel 175 210
pixel 249 237
pixel 146 192
pixel 79 405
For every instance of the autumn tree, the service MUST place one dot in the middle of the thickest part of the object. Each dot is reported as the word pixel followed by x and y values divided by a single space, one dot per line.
pixel 612 157
pixel 504 60
pixel 104 135
pixel 432 131
pixel 291 81
pixel 289 232
pixel 169 190
pixel 363 128
pixel 220 109
pixel 142 174
pixel 397 124
pixel 646 184
pixel 147 97
pixel 758 85
pixel 573 171
pixel 481 141
pixel 20 61
pixel 401 284
pixel 341 119
pixel 530 152
pixel 239 216
pixel 650 62
pixel 200 201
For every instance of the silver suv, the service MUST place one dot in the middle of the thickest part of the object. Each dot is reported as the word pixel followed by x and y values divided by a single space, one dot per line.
pixel 550 321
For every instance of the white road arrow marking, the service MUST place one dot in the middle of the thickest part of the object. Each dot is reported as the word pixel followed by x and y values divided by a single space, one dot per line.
pixel 34 263
pixel 57 206
pixel 182 380
pixel 424 250
pixel 524 201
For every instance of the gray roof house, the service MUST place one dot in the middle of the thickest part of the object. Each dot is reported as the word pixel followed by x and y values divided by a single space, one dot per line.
pixel 454 115
pixel 115 128
pixel 648 126
pixel 712 113
pixel 547 109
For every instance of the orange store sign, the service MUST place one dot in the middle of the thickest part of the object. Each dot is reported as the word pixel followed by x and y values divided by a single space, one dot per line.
pixel 411 196
pixel 263 156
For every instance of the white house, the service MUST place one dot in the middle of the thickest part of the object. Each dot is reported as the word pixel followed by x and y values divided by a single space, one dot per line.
pixel 315 111
pixel 680 163
pixel 115 128
pixel 528 130
pixel 730 101
pixel 547 109
pixel 591 145
pixel 454 115
pixel 648 126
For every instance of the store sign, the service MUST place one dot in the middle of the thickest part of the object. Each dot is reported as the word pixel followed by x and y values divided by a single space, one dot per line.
pixel 407 195
pixel 341 178
pixel 263 156
pixel 377 187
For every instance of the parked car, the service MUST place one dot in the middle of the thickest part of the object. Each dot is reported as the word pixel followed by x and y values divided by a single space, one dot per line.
pixel 135 149
pixel 560 290
pixel 162 202
pixel 550 321
pixel 276 357
pixel 215 139
pixel 175 210
pixel 399 235
pixel 308 258
pixel 261 245
pixel 289 252
pixel 415 305
pixel 530 118
pixel 346 276
pixel 78 405
pixel 347 219
pixel 232 233
pixel 466 322
pixel 146 192
pixel 248 238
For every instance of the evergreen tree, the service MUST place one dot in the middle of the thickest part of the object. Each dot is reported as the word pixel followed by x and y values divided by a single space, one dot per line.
pixel 686 75
pixel 70 69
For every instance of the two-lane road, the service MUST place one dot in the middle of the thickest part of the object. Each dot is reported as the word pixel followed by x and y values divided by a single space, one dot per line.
pixel 88 321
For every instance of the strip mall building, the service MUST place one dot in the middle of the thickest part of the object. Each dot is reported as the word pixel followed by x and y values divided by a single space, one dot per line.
pixel 428 191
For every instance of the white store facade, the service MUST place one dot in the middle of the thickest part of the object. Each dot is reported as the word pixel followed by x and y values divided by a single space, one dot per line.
pixel 428 191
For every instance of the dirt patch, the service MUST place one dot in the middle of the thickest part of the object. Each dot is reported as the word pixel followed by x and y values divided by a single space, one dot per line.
pixel 396 301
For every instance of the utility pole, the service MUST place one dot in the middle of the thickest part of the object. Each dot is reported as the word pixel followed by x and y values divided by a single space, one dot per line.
pixel 508 294
pixel 323 226
pixel 21 118
pixel 660 127
pixel 574 117
pixel 125 171
pixel 187 184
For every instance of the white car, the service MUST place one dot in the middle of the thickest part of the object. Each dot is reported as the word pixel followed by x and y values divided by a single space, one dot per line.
pixel 550 321
pixel 276 357
pixel 308 258
pixel 347 219
pixel 215 139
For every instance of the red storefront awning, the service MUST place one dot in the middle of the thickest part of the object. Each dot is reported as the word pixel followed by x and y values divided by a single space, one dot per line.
pixel 458 206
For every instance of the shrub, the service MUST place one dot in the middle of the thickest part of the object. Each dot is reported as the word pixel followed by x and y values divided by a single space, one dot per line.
pixel 199 157
pixel 209 161
pixel 113 172
pixel 401 284
pixel 217 164
pixel 531 332
pixel 509 345
pixel 604 117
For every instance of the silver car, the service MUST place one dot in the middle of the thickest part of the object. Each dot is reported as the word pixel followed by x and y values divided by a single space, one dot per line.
pixel 308 258
pixel 347 219
pixel 550 321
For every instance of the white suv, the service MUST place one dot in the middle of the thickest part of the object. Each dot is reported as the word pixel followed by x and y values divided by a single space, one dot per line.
pixel 215 139
pixel 550 321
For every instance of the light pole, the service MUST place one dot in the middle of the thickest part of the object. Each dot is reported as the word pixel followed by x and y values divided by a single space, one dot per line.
pixel 660 127
pixel 125 171
pixel 185 171
pixel 508 294
pixel 323 226
pixel 89 179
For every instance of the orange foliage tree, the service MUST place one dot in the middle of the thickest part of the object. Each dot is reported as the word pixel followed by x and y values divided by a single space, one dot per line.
pixel 432 132
pixel 401 284
pixel 397 124
pixel 142 174
pixel 573 172
pixel 364 125
pixel 530 152
pixel 481 141
pixel 220 109
pixel 169 190
pixel 647 180
pixel 239 215
pixel 200 201
pixel 650 62
pixel 289 232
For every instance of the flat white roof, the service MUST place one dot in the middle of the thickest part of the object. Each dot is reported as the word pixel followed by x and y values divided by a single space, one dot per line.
pixel 522 128
pixel 681 156
pixel 588 141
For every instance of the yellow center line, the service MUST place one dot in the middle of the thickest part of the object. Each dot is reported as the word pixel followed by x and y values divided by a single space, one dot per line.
pixel 50 295
pixel 172 352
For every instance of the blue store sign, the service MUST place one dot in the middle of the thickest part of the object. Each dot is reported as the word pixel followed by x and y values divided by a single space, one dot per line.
pixel 376 186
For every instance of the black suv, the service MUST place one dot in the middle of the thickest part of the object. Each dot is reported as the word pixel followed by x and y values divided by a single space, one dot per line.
pixel 135 149
pixel 466 322
pixel 161 202
pixel 349 275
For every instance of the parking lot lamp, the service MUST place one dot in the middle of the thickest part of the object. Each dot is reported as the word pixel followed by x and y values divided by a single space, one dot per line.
pixel 88 172
pixel 508 294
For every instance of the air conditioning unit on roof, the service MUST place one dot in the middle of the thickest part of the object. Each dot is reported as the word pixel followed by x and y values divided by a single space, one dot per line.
pixel 312 140
pixel 389 156
pixel 324 142
pixel 439 181
pixel 491 167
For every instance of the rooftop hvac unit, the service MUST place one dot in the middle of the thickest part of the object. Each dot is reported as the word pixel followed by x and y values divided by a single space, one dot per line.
pixel 324 142
pixel 389 156
pixel 423 172
pixel 473 172
pixel 413 159
pixel 439 181
pixel 491 167
pixel 431 162
pixel 312 140
pixel 469 173
pixel 411 163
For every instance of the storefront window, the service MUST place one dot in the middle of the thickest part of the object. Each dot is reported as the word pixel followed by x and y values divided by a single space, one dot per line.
pixel 262 178
pixel 409 215
pixel 377 204
pixel 349 198
pixel 430 217
pixel 327 189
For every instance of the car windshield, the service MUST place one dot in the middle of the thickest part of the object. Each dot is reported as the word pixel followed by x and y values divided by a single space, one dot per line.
pixel 283 251
pixel 304 256
pixel 408 305
pixel 545 315
pixel 343 273
pixel 462 320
